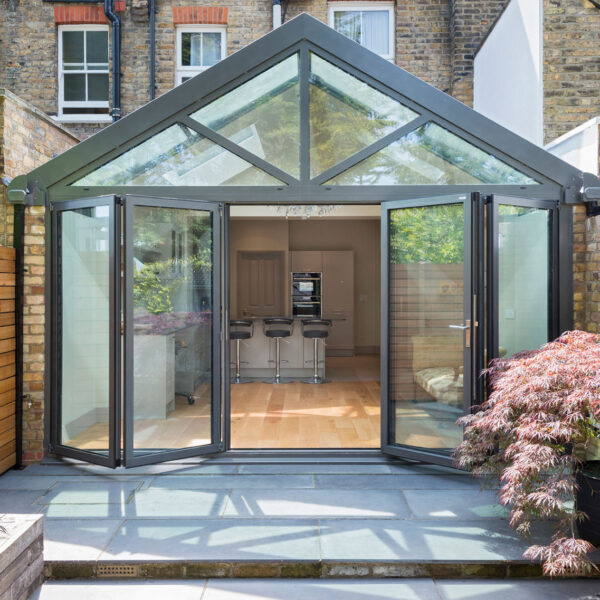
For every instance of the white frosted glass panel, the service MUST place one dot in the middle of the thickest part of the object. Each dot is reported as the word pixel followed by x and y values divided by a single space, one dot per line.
pixel 523 278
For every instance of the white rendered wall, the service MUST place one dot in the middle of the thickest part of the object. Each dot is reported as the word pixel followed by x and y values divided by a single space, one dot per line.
pixel 508 85
pixel 579 147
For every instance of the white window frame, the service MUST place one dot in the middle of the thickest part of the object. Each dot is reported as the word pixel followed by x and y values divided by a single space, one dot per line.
pixel 62 104
pixel 334 7
pixel 187 71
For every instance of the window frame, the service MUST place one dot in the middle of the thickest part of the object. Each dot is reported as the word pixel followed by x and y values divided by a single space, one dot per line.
pixel 333 7
pixel 182 71
pixel 62 103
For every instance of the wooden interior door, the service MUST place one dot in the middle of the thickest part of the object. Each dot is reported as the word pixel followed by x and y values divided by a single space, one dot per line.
pixel 260 284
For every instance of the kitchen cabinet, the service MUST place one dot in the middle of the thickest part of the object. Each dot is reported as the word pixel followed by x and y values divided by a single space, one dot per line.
pixel 309 261
pixel 338 299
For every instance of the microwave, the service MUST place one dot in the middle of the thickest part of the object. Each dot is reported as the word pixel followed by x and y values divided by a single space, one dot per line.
pixel 306 284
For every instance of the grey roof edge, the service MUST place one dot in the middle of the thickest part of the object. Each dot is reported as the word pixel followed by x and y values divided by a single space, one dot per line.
pixel 300 28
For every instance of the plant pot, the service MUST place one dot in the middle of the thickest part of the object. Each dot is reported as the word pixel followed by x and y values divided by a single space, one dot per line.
pixel 588 500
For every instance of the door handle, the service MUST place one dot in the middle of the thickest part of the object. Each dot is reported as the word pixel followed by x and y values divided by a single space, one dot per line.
pixel 466 327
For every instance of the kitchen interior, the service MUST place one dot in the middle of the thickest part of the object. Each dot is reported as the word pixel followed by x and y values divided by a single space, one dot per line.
pixel 305 282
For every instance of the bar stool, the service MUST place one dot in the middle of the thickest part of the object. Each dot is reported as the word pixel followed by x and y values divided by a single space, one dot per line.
pixel 240 329
pixel 316 329
pixel 277 328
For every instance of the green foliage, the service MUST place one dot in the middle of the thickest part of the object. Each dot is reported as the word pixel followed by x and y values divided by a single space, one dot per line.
pixel 427 234
pixel 150 293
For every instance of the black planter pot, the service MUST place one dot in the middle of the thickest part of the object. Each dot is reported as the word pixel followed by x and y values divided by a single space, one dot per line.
pixel 588 501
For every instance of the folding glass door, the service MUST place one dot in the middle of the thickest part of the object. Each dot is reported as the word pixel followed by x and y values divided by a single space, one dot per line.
pixel 137 354
pixel 465 279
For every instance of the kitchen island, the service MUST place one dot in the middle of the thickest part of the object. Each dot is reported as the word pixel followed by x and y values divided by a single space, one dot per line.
pixel 257 355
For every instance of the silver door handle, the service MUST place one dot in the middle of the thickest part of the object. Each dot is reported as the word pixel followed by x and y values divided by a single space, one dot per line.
pixel 463 327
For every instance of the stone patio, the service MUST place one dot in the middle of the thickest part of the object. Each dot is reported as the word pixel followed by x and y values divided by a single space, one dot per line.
pixel 251 517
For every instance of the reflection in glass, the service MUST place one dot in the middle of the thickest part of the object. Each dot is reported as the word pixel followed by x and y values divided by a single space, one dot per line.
pixel 431 155
pixel 200 49
pixel 173 321
pixel 426 296
pixel 346 115
pixel 523 278
pixel 262 115
pixel 177 156
pixel 84 328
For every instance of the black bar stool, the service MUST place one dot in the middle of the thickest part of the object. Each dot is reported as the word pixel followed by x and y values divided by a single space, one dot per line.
pixel 240 329
pixel 316 329
pixel 278 328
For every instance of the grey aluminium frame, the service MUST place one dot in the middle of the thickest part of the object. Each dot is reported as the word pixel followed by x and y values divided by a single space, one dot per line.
pixel 131 457
pixel 112 456
pixel 388 444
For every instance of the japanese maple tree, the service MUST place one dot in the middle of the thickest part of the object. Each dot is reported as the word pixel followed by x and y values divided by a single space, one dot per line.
pixel 543 410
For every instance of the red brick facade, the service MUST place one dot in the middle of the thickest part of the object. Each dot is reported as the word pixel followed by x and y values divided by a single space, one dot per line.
pixel 200 15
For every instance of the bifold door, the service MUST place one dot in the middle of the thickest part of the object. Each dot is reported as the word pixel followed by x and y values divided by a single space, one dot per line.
pixel 138 324
pixel 465 278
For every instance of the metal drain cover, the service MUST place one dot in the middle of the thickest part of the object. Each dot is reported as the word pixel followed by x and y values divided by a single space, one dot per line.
pixel 117 571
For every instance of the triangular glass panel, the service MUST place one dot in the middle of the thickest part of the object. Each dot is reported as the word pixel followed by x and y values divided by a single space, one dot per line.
pixel 346 115
pixel 431 155
pixel 262 115
pixel 178 156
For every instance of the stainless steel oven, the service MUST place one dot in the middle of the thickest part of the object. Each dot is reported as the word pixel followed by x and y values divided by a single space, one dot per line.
pixel 306 294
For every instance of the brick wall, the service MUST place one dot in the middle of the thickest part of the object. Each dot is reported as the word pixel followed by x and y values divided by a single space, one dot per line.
pixel 571 65
pixel 28 138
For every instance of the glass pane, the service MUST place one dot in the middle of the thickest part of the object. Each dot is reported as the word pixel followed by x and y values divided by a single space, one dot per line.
pixel 376 31
pixel 96 44
pixel 72 47
pixel 178 156
pixel 98 87
pixel 426 296
pixel 173 321
pixel 262 115
pixel 346 115
pixel 84 328
pixel 191 49
pixel 211 49
pixel 74 87
pixel 348 23
pixel 523 278
pixel 431 155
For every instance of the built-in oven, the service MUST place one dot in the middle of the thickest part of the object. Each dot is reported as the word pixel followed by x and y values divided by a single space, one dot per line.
pixel 306 294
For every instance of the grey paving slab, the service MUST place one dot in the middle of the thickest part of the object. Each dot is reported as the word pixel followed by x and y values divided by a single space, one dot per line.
pixel 390 540
pixel 214 539
pixel 83 491
pixel 156 469
pixel 19 501
pixel 288 469
pixel 82 511
pixel 330 589
pixel 397 482
pixel 15 480
pixel 167 503
pixel 317 503
pixel 239 482
pixel 520 589
pixel 121 590
pixel 455 504
pixel 77 539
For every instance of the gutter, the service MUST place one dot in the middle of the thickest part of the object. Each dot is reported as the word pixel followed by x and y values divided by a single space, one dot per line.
pixel 116 58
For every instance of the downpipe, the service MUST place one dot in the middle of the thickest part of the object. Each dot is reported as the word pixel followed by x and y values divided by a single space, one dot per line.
pixel 116 48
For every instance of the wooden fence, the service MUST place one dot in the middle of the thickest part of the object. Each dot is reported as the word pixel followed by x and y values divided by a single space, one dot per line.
pixel 8 442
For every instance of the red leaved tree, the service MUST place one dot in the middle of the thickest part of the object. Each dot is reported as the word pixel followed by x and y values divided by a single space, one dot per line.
pixel 544 407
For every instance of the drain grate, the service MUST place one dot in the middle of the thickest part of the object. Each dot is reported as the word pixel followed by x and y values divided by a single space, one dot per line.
pixel 117 571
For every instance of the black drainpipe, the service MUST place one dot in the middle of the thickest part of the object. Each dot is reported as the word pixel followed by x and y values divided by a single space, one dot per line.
pixel 152 49
pixel 116 46
pixel 19 230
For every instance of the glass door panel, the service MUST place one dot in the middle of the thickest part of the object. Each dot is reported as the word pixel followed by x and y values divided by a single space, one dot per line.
pixel 521 267
pixel 427 250
pixel 85 395
pixel 172 366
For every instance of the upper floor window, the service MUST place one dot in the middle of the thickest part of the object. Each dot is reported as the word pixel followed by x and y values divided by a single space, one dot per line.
pixel 198 48
pixel 371 25
pixel 83 73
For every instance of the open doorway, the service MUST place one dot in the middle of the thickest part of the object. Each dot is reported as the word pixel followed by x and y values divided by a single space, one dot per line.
pixel 306 266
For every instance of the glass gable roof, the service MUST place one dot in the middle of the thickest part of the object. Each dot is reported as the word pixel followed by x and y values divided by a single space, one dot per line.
pixel 269 104
pixel 431 155
pixel 182 157
pixel 346 115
